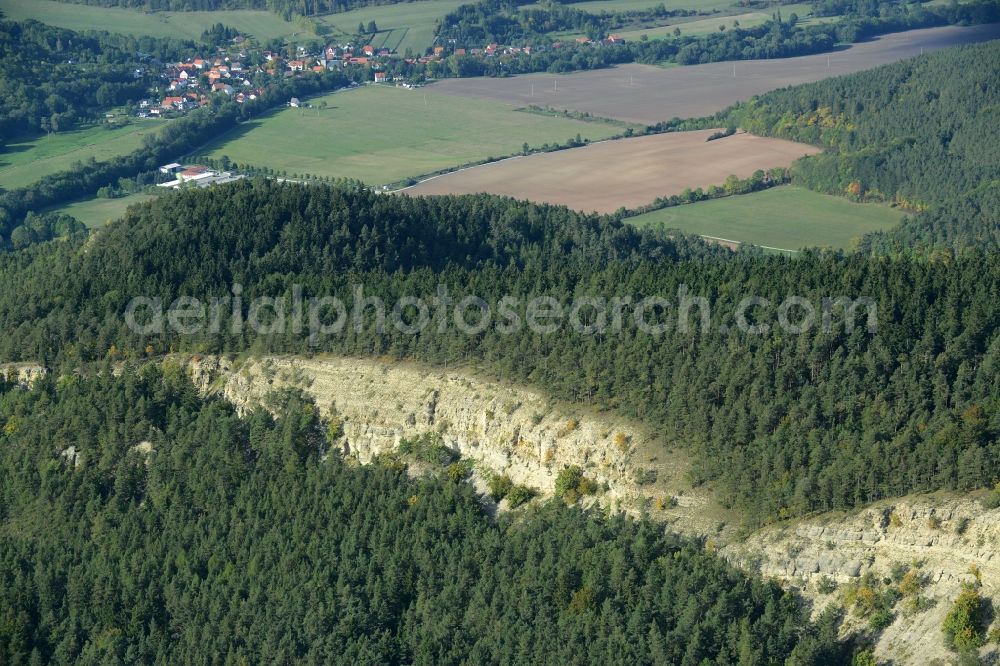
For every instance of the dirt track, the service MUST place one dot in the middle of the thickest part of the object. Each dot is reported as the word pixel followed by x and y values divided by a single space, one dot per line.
pixel 630 172
pixel 647 94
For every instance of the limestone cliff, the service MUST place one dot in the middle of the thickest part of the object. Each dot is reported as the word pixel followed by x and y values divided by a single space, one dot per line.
pixel 943 540
pixel 24 374
pixel 946 540
pixel 501 428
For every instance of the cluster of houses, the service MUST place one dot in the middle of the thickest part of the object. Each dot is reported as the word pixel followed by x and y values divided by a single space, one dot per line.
pixel 242 72
pixel 189 84
pixel 242 75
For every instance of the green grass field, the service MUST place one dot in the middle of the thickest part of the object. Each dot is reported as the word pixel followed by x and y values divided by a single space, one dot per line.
pixel 786 217
pixel 97 212
pixel 381 134
pixel 26 161
pixel 182 25
pixel 401 26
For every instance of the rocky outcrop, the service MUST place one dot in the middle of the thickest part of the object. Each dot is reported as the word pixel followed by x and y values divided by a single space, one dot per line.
pixel 504 429
pixel 24 374
pixel 950 540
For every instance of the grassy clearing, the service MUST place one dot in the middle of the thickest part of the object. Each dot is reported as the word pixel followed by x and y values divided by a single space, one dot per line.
pixel 25 161
pixel 380 134
pixel 96 212
pixel 783 217
pixel 183 25
pixel 401 26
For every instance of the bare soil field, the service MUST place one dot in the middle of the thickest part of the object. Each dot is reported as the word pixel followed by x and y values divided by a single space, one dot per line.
pixel 628 172
pixel 648 94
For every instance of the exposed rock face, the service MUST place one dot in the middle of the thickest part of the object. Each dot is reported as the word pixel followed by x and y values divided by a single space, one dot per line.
pixel 71 456
pixel 507 430
pixel 24 374
pixel 529 437
pixel 952 539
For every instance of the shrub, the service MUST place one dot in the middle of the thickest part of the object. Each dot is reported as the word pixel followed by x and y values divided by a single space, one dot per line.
pixel 880 619
pixel 911 583
pixel 962 526
pixel 663 503
pixel 567 479
pixel 459 471
pixel 428 447
pixel 645 477
pixel 992 501
pixel 963 627
pixel 826 585
pixel 571 484
pixel 568 427
pixel 621 441
pixel 864 658
pixel 499 486
pixel 518 495
pixel 898 571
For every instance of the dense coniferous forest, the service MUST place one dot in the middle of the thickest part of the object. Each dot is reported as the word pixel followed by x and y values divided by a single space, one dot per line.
pixel 140 524
pixel 921 132
pixel 779 424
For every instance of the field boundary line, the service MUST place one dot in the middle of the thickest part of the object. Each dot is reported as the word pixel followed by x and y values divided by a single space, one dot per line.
pixel 730 240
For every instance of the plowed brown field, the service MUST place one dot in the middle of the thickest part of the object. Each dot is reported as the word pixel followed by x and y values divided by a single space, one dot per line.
pixel 628 172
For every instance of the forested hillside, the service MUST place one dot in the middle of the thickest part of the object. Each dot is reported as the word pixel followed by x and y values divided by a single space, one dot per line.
pixel 921 132
pixel 779 424
pixel 139 524
pixel 53 79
